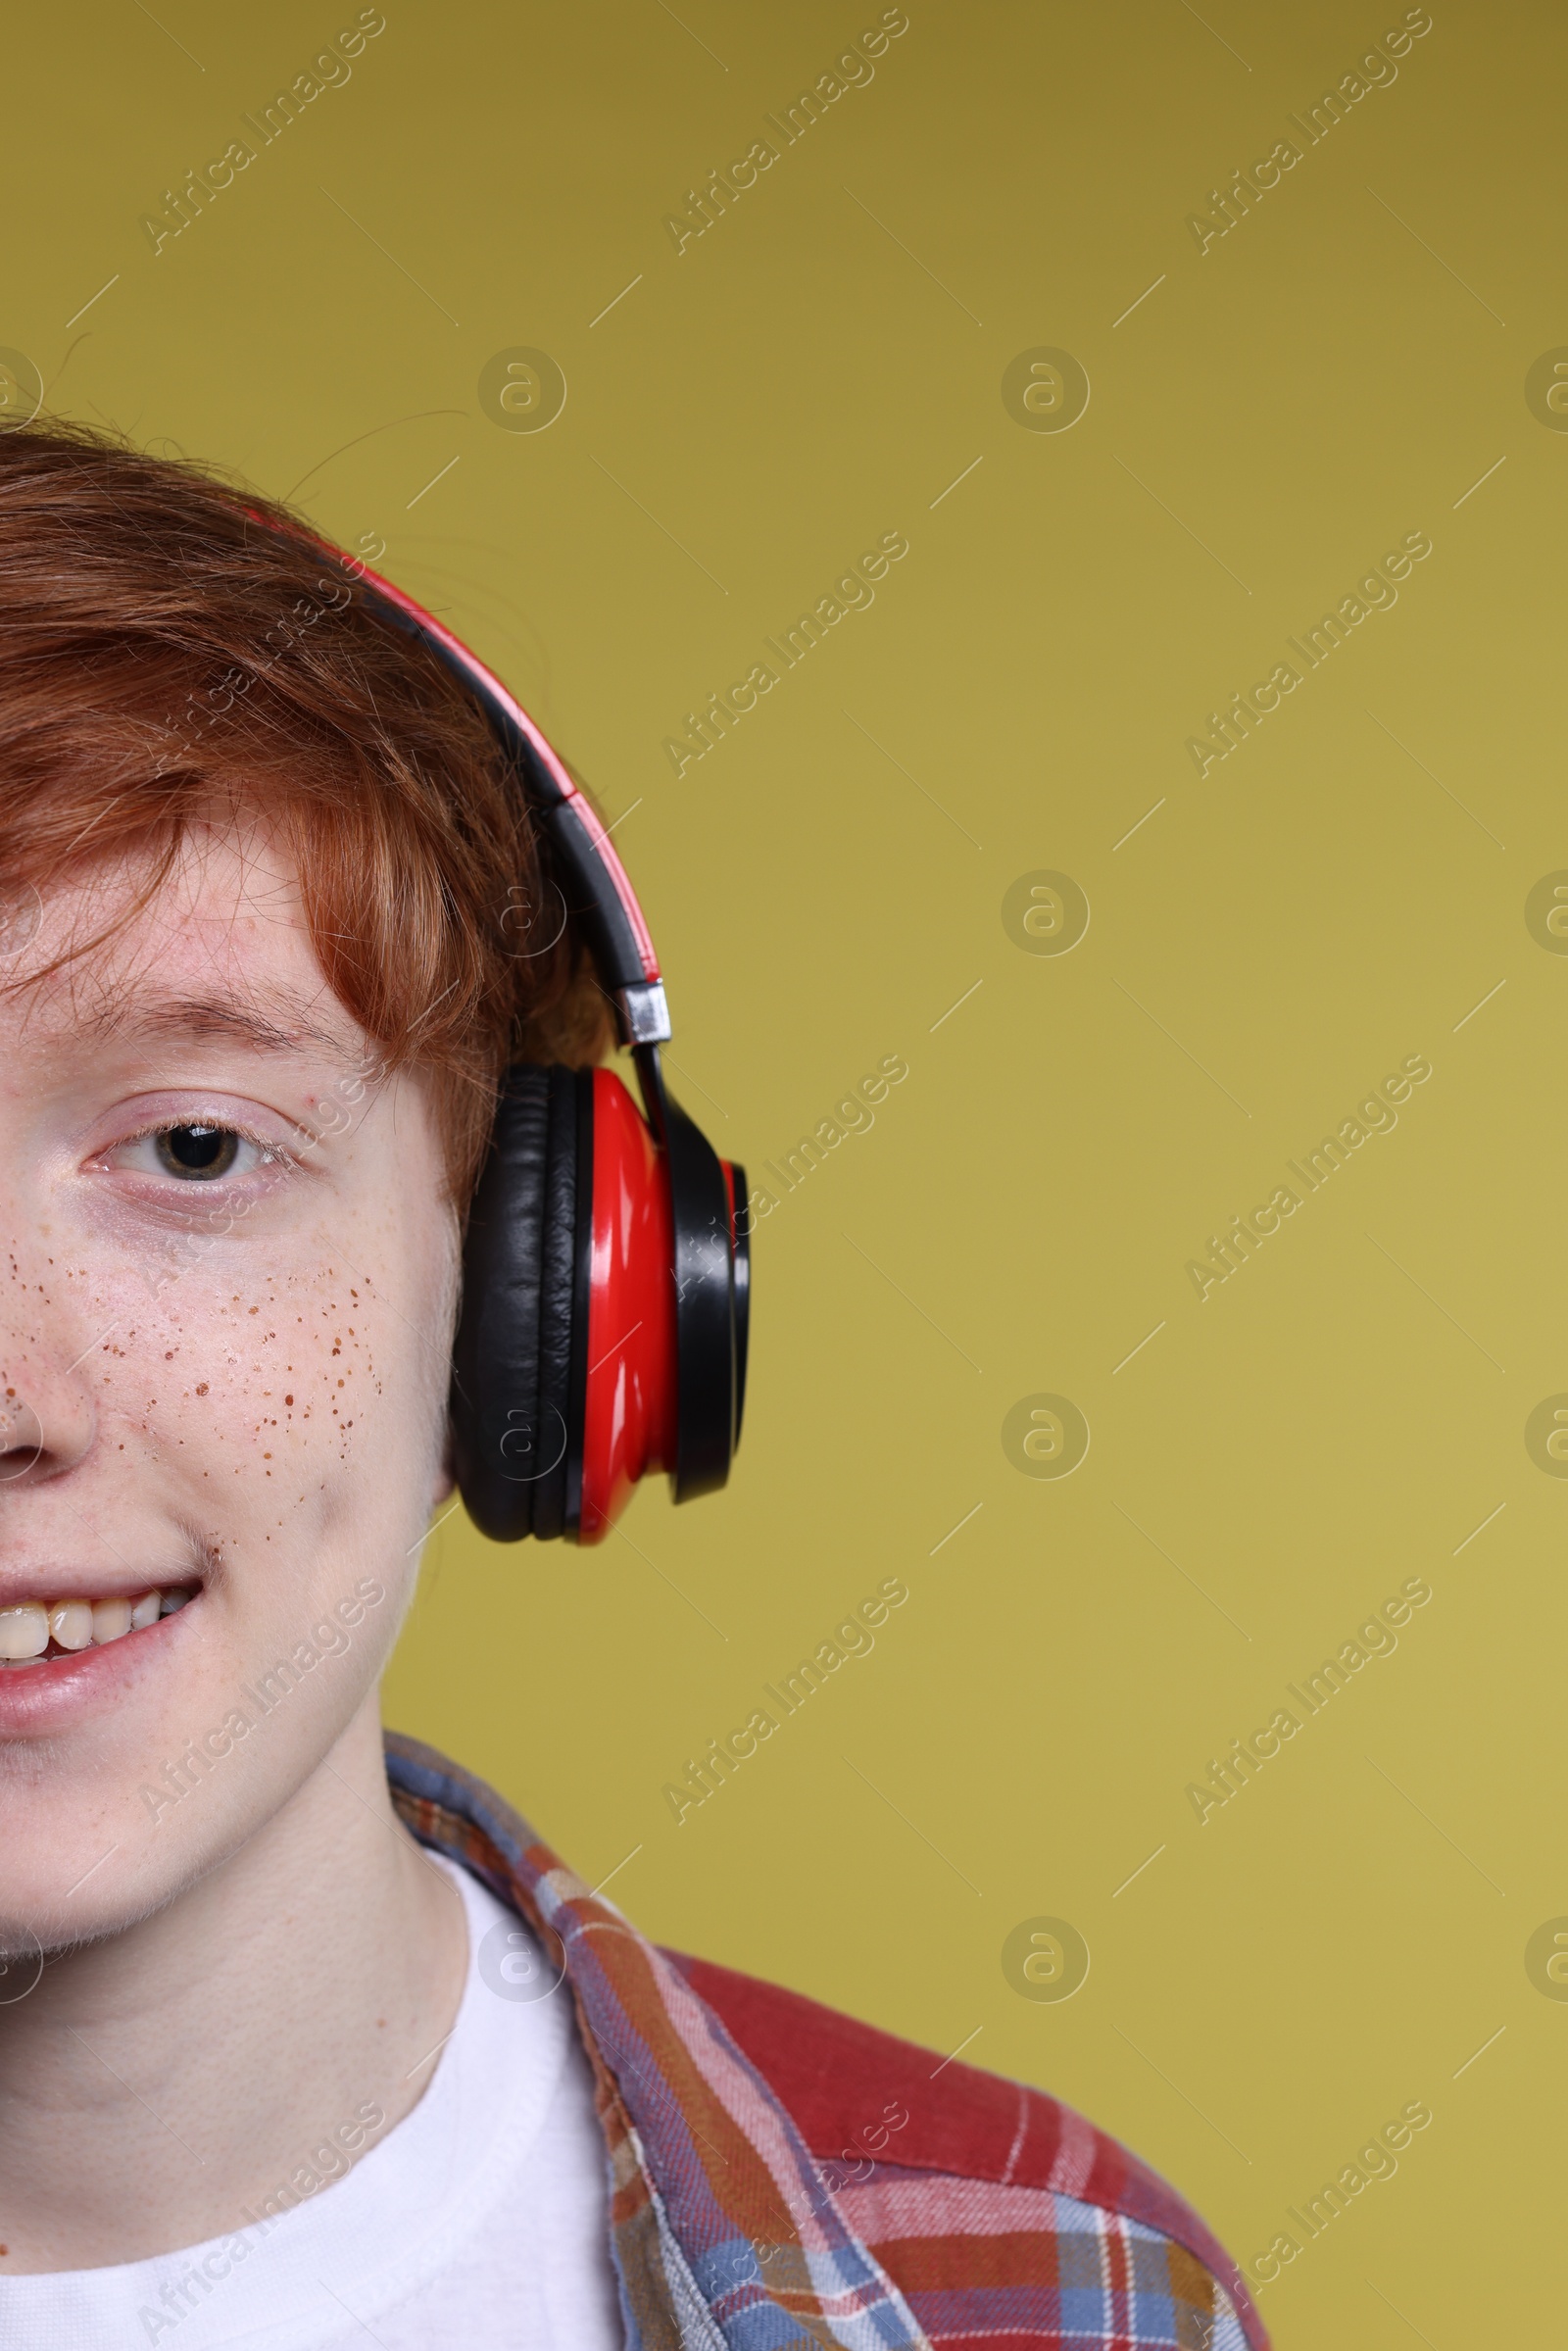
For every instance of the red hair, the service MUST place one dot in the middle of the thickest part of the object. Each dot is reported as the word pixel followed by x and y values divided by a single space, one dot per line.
pixel 174 650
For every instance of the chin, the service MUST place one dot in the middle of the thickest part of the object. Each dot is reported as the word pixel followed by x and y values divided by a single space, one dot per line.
pixel 133 1765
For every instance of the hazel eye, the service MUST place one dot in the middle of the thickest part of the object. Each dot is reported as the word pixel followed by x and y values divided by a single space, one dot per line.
pixel 199 1147
pixel 196 1151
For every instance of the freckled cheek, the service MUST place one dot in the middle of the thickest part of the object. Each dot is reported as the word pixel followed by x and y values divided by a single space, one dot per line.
pixel 230 1386
pixel 159 1368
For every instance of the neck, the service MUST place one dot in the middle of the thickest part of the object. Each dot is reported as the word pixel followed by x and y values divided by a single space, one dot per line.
pixel 207 2053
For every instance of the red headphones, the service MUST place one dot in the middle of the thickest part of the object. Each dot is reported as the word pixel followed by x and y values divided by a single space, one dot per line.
pixel 607 1269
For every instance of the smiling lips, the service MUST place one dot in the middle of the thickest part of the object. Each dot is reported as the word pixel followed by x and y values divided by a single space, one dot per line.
pixel 37 1630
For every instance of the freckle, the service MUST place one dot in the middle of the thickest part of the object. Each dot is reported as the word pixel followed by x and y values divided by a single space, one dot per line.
pixel 202 1390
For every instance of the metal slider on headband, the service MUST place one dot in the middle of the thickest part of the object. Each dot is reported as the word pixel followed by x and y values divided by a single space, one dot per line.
pixel 643 1013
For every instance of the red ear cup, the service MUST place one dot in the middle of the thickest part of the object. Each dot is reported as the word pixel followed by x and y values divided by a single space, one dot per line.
pixel 630 1409
pixel 604 1310
pixel 638 1407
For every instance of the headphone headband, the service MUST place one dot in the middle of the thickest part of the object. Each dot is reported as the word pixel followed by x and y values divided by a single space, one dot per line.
pixel 606 903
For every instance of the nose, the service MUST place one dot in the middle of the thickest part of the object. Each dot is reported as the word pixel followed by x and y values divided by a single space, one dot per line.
pixel 46 1425
pixel 20 1436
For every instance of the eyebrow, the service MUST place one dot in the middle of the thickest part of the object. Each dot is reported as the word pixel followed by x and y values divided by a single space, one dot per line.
pixel 286 1029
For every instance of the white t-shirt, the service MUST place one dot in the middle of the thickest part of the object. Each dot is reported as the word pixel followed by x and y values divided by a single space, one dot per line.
pixel 481 2219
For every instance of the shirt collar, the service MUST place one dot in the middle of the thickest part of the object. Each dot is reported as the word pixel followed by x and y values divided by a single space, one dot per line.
pixel 721 2226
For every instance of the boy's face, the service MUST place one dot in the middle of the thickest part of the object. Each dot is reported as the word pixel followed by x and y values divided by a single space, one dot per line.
pixel 226 1290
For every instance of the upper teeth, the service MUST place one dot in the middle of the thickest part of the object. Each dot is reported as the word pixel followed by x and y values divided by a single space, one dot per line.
pixel 26 1631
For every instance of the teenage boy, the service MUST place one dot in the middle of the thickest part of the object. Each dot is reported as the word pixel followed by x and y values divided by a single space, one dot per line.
pixel 305 2041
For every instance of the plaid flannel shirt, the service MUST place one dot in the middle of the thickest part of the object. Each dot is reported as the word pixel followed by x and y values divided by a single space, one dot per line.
pixel 781 2176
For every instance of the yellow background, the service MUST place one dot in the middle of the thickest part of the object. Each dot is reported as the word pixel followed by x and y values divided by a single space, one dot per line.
pixel 1336 894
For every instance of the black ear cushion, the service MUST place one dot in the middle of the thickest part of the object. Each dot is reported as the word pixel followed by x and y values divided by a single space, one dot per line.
pixel 512 1429
pixel 560 1413
pixel 704 1309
